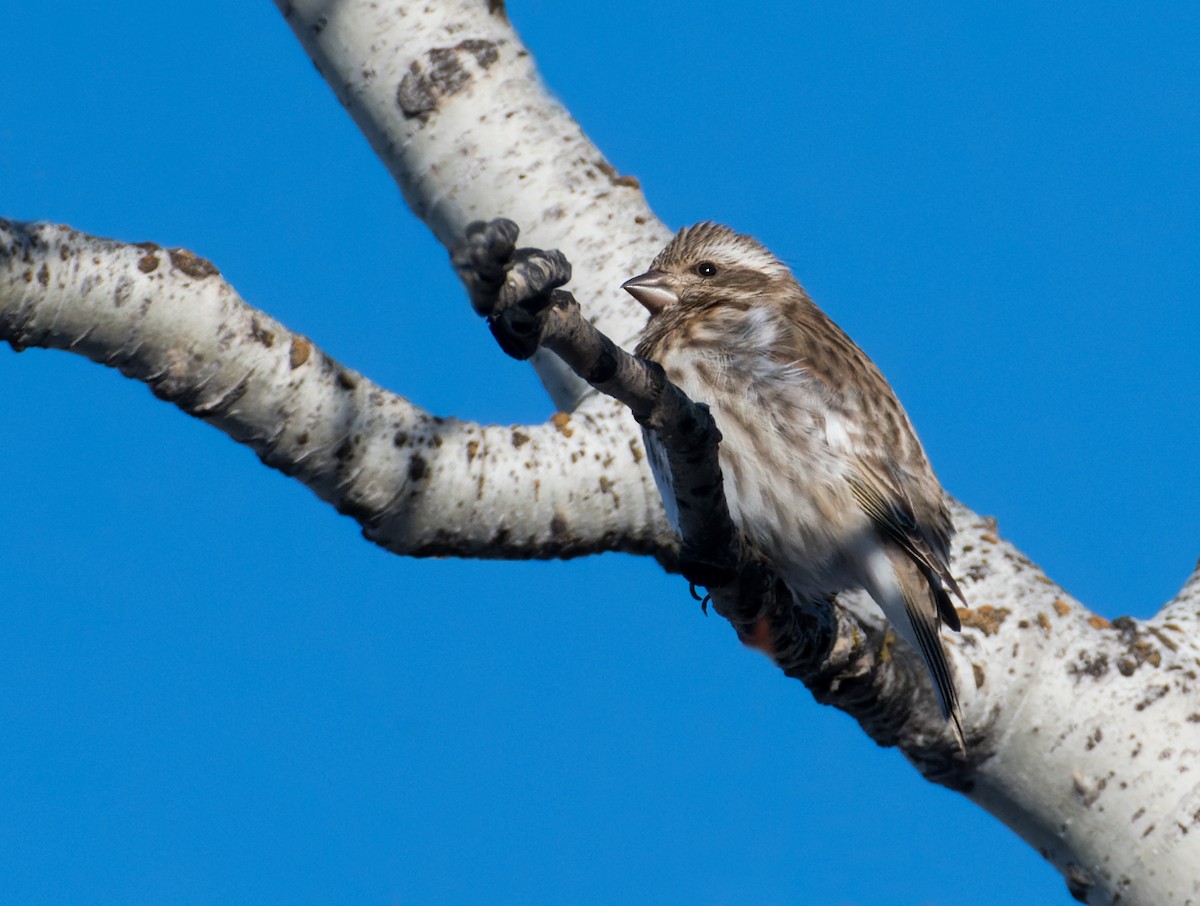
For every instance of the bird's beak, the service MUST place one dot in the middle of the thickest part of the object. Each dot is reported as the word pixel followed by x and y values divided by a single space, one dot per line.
pixel 653 289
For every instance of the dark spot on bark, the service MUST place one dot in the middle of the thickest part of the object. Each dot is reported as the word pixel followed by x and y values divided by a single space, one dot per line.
pixel 345 448
pixel 399 439
pixel 441 74
pixel 346 380
pixel 1153 694
pixel 414 94
pixel 261 334
pixel 43 275
pixel 484 52
pixel 301 349
pixel 558 526
pixel 1094 739
pixel 472 450
pixel 977 572
pixel 122 292
pixel 302 439
pixel 148 263
pixel 1138 649
pixel 614 177
pixel 1162 637
pixel 979 675
pixel 519 439
pixel 417 468
pixel 496 8
pixel 319 25
pixel 193 265
pixel 1091 665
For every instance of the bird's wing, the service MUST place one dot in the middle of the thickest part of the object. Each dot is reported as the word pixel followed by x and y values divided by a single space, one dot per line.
pixel 907 507
pixel 881 493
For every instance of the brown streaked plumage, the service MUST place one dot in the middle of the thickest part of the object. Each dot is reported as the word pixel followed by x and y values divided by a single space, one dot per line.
pixel 824 473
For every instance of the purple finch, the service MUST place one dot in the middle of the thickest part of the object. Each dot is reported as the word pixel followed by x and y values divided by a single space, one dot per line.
pixel 824 475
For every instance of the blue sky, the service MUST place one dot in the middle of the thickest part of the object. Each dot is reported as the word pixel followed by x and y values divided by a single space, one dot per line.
pixel 213 690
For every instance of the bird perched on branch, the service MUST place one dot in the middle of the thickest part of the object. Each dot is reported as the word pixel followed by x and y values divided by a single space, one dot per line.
pixel 823 472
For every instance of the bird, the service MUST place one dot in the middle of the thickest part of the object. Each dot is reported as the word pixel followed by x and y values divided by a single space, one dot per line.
pixel 824 475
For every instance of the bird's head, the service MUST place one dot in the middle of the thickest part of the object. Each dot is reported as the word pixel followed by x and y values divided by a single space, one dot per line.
pixel 705 264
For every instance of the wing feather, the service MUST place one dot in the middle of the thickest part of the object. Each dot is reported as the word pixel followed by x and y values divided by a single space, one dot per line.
pixel 884 501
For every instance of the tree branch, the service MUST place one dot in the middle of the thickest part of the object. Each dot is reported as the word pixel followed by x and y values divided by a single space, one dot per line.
pixel 1003 658
pixel 1083 734
pixel 418 484
pixel 451 101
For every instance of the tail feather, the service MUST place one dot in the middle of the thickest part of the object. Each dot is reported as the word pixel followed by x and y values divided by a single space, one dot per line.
pixel 929 645
pixel 915 603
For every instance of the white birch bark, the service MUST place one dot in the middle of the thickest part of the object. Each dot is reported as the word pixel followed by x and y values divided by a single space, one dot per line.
pixel 1084 735
pixel 419 484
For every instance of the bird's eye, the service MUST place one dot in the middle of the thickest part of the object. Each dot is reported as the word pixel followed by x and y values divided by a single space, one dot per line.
pixel 706 269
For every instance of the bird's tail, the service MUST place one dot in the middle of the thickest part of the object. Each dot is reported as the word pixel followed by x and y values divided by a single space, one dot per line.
pixel 914 604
